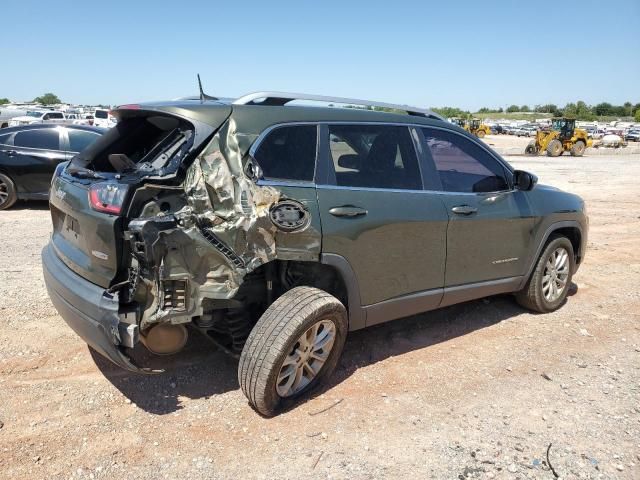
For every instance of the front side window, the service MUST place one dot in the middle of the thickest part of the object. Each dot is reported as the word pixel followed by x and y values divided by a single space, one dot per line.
pixel 289 153
pixel 46 139
pixel 81 139
pixel 101 114
pixel 462 165
pixel 374 156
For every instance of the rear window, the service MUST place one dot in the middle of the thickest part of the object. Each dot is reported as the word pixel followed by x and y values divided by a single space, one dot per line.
pixel 139 140
pixel 46 139
pixel 81 139
pixel 289 153
pixel 102 114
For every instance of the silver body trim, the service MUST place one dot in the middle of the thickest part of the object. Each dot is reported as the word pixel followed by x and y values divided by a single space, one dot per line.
pixel 286 97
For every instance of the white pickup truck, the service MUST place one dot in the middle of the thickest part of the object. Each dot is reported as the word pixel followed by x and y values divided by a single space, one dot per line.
pixel 38 116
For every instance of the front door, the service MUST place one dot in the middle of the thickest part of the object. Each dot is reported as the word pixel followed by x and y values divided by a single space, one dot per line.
pixel 490 223
pixel 377 216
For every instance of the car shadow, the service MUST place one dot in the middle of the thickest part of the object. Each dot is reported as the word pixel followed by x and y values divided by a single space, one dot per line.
pixel 202 371
pixel 30 205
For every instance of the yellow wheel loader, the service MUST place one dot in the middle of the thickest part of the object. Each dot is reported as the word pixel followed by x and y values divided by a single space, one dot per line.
pixel 473 126
pixel 563 136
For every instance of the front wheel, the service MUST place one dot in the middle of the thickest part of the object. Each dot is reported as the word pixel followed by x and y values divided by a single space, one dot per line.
pixel 578 148
pixel 554 149
pixel 531 149
pixel 295 345
pixel 480 133
pixel 549 283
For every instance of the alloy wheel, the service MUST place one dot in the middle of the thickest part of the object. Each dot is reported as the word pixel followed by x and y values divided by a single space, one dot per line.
pixel 306 359
pixel 556 274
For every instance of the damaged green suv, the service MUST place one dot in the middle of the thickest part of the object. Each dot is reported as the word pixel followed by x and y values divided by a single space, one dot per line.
pixel 275 227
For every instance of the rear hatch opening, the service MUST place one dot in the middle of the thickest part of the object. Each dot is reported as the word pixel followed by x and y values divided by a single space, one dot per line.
pixel 92 194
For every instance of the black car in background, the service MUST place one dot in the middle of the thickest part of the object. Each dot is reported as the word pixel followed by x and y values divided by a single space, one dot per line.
pixel 29 155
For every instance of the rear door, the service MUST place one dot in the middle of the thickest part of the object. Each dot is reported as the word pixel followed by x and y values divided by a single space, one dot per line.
pixel 490 223
pixel 377 216
pixel 36 153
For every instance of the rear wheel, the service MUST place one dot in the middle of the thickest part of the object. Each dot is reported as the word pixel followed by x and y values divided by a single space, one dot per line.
pixel 294 346
pixel 554 149
pixel 8 195
pixel 578 148
pixel 549 283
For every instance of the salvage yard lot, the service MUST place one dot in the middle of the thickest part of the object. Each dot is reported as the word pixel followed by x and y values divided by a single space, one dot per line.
pixel 477 390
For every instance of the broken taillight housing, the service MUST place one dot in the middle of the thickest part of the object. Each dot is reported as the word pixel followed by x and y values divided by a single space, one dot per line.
pixel 107 197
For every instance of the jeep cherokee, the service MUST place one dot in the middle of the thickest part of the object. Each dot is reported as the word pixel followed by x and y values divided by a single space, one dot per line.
pixel 274 228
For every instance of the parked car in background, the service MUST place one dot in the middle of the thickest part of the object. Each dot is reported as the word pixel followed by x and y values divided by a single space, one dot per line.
pixel 29 155
pixel 7 114
pixel 633 135
pixel 38 116
pixel 103 118
pixel 85 120
pixel 265 227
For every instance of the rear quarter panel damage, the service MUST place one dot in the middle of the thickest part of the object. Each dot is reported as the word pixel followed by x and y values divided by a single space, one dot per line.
pixel 225 231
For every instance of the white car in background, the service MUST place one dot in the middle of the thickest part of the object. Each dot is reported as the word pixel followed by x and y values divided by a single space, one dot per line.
pixel 104 119
pixel 85 120
pixel 38 116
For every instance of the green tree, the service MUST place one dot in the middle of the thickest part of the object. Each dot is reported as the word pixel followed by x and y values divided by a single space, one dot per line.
pixel 525 108
pixel 548 108
pixel 603 109
pixel 637 115
pixel 4 100
pixel 449 112
pixel 47 99
pixel 513 108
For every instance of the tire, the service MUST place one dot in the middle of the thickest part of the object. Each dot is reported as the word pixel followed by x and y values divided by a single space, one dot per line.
pixel 578 148
pixel 273 340
pixel 531 149
pixel 554 149
pixel 534 295
pixel 481 134
pixel 8 195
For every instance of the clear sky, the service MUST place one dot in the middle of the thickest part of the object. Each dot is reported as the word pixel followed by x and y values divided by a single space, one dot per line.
pixel 458 53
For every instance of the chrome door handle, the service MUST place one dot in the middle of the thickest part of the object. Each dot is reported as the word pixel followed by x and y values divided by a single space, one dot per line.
pixel 347 211
pixel 464 210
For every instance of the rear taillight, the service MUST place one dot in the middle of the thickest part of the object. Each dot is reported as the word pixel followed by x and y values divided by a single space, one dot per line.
pixel 107 197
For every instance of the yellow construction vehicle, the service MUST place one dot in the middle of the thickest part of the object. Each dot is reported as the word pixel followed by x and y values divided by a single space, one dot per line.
pixel 477 128
pixel 563 136
pixel 473 126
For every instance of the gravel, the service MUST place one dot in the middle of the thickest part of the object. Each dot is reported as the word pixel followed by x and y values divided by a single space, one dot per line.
pixel 477 390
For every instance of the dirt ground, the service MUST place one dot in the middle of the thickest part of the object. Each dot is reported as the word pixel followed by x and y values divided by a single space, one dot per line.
pixel 478 390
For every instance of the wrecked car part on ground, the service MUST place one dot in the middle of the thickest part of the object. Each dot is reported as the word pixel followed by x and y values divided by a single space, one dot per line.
pixel 275 229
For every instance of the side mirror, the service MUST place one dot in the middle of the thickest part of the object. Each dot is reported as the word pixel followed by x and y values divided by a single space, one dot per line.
pixel 524 180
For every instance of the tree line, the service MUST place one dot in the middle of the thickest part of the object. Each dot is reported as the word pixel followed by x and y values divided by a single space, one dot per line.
pixel 579 110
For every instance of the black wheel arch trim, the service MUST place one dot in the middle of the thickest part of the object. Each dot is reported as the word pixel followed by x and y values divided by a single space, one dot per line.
pixel 357 315
pixel 548 232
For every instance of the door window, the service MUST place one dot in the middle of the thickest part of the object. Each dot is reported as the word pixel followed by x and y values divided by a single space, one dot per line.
pixel 80 139
pixel 374 156
pixel 462 165
pixel 289 153
pixel 45 138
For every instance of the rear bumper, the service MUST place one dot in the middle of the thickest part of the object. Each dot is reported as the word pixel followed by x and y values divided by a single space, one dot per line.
pixel 88 309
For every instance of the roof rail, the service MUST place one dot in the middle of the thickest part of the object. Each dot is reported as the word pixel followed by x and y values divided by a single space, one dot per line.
pixel 282 98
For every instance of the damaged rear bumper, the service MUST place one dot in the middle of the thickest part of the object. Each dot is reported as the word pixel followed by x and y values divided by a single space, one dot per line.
pixel 88 309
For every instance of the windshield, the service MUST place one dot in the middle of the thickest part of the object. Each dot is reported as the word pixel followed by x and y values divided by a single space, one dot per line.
pixel 33 113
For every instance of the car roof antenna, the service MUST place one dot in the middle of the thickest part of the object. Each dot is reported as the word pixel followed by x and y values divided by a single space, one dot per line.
pixel 204 96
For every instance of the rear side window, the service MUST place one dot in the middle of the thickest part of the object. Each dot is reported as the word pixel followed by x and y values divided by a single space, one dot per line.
pixel 101 114
pixel 4 138
pixel 81 139
pixel 46 139
pixel 289 153
pixel 462 165
pixel 374 156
